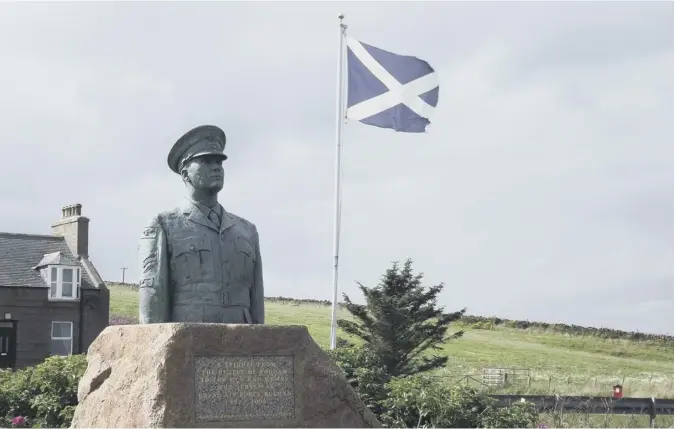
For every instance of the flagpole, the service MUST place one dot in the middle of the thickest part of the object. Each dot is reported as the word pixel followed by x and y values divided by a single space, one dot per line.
pixel 338 169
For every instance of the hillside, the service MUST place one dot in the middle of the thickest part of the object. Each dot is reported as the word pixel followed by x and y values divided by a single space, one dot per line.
pixel 574 361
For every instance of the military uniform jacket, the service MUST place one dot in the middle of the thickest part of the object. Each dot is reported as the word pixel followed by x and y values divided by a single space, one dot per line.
pixel 193 271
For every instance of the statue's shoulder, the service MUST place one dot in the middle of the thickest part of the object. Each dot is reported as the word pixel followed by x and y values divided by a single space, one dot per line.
pixel 165 219
pixel 243 224
pixel 170 215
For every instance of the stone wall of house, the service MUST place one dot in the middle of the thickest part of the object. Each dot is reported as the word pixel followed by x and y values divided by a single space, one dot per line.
pixel 34 314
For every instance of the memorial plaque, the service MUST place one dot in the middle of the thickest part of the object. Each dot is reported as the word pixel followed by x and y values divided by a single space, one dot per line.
pixel 239 388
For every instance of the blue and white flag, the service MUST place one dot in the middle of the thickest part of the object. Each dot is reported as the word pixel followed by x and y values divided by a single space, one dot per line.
pixel 389 90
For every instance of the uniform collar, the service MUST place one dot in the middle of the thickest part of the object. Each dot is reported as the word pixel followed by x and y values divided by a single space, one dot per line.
pixel 198 213
pixel 205 209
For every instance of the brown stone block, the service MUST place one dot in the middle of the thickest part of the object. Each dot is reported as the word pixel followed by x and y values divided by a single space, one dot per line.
pixel 214 375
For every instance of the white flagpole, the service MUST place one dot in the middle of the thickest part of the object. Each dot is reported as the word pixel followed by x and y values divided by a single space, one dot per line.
pixel 338 170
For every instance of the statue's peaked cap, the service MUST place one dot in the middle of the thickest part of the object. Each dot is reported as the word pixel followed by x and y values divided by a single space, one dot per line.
pixel 200 141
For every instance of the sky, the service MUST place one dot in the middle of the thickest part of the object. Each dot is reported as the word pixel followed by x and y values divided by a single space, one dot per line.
pixel 542 190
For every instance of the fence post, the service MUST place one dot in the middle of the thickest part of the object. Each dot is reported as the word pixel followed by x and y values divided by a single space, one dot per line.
pixel 559 408
pixel 652 412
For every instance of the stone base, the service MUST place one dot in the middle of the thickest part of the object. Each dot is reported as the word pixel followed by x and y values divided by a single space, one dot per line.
pixel 214 375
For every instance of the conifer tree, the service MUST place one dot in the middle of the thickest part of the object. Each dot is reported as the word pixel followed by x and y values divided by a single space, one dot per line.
pixel 400 322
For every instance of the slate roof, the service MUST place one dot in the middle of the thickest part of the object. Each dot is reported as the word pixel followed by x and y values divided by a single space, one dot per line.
pixel 20 253
pixel 56 258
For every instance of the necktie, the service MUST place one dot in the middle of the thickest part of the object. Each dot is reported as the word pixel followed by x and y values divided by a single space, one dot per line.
pixel 213 217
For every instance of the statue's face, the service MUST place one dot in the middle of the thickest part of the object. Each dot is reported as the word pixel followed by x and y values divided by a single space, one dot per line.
pixel 205 172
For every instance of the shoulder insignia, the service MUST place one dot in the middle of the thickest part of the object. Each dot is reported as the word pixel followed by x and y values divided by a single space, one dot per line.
pixel 150 232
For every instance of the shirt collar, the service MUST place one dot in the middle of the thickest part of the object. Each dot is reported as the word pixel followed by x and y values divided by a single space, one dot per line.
pixel 206 210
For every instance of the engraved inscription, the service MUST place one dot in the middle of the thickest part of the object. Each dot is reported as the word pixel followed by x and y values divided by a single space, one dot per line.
pixel 236 388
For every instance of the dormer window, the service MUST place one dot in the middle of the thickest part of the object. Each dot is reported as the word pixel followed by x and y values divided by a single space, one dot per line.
pixel 64 282
pixel 62 274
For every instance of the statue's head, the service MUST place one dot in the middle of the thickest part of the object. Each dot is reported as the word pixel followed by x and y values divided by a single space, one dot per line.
pixel 198 158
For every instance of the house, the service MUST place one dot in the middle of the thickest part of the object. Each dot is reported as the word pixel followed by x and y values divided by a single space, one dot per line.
pixel 52 299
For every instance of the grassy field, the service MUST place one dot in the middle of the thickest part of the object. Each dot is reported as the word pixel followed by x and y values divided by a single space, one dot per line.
pixel 557 364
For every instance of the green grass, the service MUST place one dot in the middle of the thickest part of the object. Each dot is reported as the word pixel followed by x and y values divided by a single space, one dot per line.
pixel 123 301
pixel 558 364
pixel 584 420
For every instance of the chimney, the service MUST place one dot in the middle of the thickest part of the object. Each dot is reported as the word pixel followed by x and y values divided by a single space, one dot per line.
pixel 74 228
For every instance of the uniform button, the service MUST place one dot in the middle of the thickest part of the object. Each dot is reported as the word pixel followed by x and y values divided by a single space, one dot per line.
pixel 192 248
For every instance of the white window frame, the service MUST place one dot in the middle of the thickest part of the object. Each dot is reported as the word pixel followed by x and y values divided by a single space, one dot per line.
pixel 51 335
pixel 58 282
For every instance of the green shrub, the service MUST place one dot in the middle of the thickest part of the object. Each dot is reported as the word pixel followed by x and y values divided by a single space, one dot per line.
pixel 46 394
pixel 364 373
pixel 419 401
pixel 402 322
pixel 483 325
pixel 427 402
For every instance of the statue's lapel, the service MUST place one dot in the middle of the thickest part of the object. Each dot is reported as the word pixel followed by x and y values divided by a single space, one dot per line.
pixel 195 215
pixel 227 220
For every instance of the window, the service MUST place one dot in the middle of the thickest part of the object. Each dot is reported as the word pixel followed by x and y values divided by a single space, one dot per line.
pixel 64 283
pixel 62 338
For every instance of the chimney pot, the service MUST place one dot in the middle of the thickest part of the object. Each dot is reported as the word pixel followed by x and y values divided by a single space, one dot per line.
pixel 74 228
pixel 71 210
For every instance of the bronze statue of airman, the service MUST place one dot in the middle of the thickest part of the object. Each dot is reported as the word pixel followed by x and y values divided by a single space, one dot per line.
pixel 200 263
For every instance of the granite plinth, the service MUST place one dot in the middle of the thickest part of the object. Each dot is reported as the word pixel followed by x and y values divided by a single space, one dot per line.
pixel 214 375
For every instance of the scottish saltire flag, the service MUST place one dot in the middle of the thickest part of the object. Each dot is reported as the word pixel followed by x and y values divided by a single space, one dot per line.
pixel 389 90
